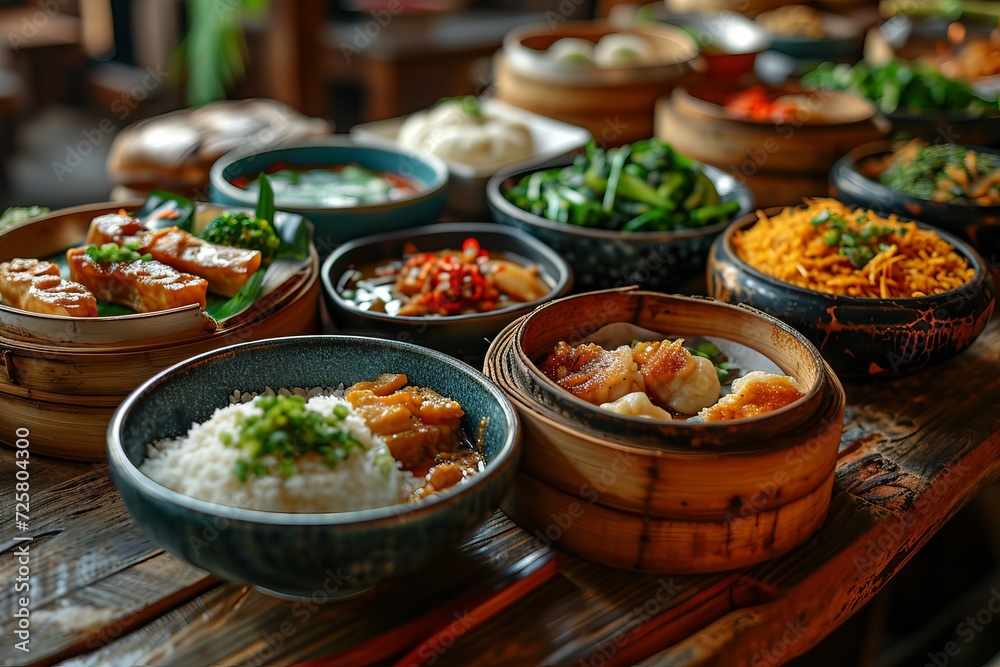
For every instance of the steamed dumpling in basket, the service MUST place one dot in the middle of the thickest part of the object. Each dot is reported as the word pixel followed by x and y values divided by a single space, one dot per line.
pixel 460 130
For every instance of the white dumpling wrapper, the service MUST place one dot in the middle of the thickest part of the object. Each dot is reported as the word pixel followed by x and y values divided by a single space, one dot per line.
pixel 451 133
pixel 636 404
pixel 622 50
pixel 572 51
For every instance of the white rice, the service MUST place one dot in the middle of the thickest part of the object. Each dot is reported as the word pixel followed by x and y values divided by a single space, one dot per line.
pixel 199 465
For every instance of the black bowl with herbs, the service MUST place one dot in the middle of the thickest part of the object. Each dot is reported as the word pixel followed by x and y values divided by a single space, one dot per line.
pixel 859 336
pixel 938 184
pixel 918 99
pixel 641 214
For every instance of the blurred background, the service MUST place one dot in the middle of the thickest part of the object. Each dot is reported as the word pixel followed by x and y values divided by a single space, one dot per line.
pixel 74 73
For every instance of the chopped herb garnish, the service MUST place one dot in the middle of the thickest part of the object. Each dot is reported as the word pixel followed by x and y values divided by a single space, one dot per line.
pixel 243 231
pixel 110 253
pixel 859 246
pixel 288 429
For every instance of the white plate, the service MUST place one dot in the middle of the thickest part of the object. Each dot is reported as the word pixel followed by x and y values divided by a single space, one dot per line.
pixel 467 185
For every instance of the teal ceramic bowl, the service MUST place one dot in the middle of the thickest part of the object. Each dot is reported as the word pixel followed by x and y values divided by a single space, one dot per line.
pixel 336 225
pixel 316 554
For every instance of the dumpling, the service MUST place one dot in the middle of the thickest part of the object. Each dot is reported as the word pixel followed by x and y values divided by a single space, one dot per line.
pixel 676 378
pixel 592 373
pixel 754 394
pixel 572 51
pixel 461 131
pixel 622 50
pixel 636 404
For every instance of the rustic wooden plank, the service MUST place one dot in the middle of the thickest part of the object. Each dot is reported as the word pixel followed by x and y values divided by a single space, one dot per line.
pixel 922 459
pixel 911 456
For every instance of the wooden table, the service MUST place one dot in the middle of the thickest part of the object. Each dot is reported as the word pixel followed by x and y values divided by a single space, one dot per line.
pixel 914 451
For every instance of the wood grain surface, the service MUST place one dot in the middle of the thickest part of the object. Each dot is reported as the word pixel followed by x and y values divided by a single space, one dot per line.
pixel 915 449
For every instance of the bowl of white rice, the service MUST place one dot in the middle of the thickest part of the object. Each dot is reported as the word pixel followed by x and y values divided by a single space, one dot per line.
pixel 335 520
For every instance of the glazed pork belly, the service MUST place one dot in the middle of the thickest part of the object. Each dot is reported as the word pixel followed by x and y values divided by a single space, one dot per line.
pixel 143 286
pixel 36 286
pixel 225 268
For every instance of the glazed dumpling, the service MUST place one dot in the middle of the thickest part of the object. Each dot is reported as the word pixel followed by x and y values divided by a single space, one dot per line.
pixel 572 51
pixel 622 50
pixel 636 404
pixel 461 131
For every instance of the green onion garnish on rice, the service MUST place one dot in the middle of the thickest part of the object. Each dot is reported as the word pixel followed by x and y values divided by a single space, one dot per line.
pixel 286 430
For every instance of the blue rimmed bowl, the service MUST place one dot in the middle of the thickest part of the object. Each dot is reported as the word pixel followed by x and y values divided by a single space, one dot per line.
pixel 313 554
pixel 335 225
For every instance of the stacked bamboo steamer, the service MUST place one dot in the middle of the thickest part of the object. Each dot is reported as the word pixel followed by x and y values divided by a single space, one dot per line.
pixel 668 497
pixel 779 161
pixel 616 105
pixel 62 378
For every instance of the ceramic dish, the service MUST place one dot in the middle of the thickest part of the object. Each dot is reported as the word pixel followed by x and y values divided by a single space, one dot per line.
pixel 467 183
pixel 291 554
pixel 337 224
pixel 605 258
pixel 979 225
pixel 861 337
pixel 464 336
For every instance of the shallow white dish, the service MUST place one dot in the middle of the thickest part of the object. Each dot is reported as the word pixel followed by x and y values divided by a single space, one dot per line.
pixel 467 185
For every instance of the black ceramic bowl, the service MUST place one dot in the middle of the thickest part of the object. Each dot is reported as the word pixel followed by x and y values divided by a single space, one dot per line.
pixel 979 225
pixel 463 336
pixel 858 336
pixel 601 258
pixel 953 127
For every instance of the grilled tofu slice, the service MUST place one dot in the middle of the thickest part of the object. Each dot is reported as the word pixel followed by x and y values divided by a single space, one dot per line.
pixel 31 284
pixel 225 268
pixel 143 286
pixel 17 275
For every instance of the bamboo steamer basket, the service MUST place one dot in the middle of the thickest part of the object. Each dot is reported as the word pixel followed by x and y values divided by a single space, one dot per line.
pixel 616 105
pixel 745 7
pixel 667 497
pixel 779 162
pixel 64 392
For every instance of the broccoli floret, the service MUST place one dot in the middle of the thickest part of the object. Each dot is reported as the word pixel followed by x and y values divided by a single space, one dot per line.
pixel 243 231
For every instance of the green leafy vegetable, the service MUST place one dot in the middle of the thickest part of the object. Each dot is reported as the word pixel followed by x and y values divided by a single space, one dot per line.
pixel 905 87
pixel 943 172
pixel 286 430
pixel 110 253
pixel 164 209
pixel 645 186
pixel 18 214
